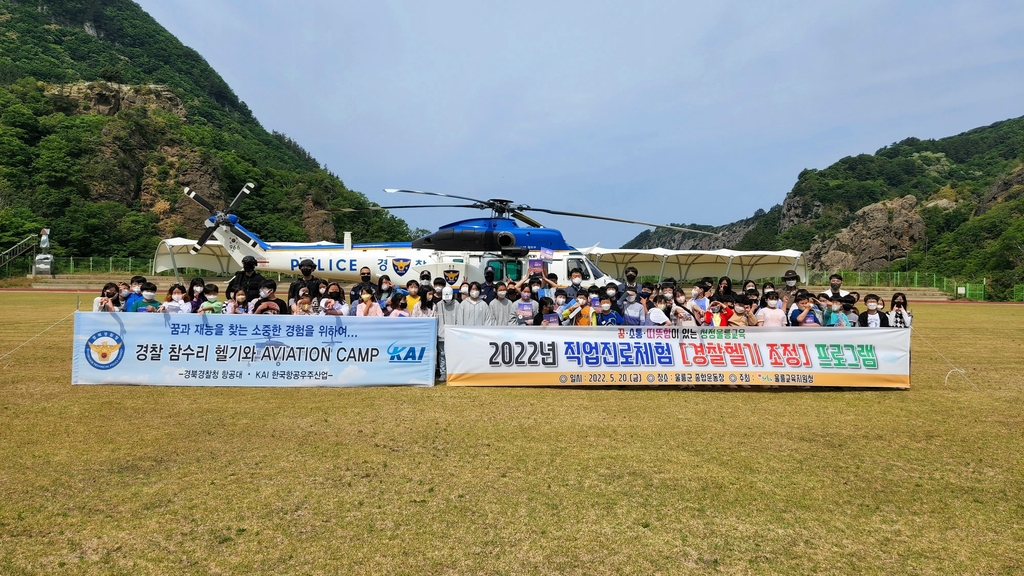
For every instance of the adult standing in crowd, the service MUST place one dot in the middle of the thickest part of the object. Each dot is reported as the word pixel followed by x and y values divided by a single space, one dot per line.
pixel 247 279
pixel 788 292
pixel 835 284
pixel 364 282
pixel 631 275
pixel 308 281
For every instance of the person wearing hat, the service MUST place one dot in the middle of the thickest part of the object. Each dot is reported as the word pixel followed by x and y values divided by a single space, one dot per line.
pixel 788 292
pixel 247 280
pixel 308 281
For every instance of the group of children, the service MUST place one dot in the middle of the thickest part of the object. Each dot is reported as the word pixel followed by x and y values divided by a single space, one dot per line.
pixel 534 300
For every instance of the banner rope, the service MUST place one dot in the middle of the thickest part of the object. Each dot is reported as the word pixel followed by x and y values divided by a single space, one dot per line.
pixel 956 368
pixel 34 337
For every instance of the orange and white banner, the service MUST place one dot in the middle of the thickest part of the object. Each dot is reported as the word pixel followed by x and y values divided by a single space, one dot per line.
pixel 645 356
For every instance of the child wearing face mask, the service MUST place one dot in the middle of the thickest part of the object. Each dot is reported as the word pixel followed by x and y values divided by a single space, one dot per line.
pixel 900 316
pixel 832 312
pixel 503 309
pixel 684 312
pixel 741 313
pixel 770 314
pixel 109 299
pixel 399 306
pixel 175 301
pixel 236 303
pixel 698 298
pixel 446 311
pixel 147 303
pixel 634 313
pixel 578 312
pixel 367 305
pixel 213 305
pixel 718 313
pixel 334 303
pixel 873 316
pixel 473 310
pixel 607 315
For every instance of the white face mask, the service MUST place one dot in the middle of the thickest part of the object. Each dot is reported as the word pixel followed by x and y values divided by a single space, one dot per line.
pixel 610 292
pixel 474 293
pixel 559 300
pixel 576 281
pixel 438 289
pixel 606 307
pixel 681 300
pixel 790 282
pixel 136 288
pixel 149 295
pixel 211 298
pixel 176 297
pixel 385 287
pixel 581 301
pixel 264 293
pixel 667 295
pixel 323 290
pixel 631 298
pixel 125 293
pixel 773 303
pixel 447 297
pixel 872 306
pixel 837 307
pixel 740 309
pixel 197 289
pixel 695 292
pixel 501 294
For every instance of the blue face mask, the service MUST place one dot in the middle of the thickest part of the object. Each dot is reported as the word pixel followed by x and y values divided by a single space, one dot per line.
pixel 645 294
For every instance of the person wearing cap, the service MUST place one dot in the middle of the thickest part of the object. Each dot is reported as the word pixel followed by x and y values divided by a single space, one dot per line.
pixel 487 290
pixel 308 281
pixel 247 280
pixel 425 278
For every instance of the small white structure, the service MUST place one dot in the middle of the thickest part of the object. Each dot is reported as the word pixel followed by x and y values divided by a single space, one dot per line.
pixel 694 264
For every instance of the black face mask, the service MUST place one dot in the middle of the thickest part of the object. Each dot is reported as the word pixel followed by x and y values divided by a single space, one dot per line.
pixel 248 267
pixel 334 295
pixel 364 277
pixel 403 304
pixel 630 277
pixel 306 271
pixel 489 276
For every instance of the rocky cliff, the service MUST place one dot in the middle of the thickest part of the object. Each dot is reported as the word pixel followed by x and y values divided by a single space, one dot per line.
pixel 880 233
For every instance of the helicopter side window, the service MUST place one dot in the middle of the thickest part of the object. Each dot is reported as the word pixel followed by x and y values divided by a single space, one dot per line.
pixel 581 264
pixel 514 270
pixel 506 269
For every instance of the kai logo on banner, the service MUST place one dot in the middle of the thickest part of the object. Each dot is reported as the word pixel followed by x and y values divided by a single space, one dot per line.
pixel 401 265
pixel 104 350
pixel 405 354
pixel 451 276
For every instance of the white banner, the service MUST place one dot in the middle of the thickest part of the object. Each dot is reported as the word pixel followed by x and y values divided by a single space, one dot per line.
pixel 252 350
pixel 612 355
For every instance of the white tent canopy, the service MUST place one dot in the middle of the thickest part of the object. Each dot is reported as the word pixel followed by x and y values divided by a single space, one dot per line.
pixel 174 253
pixel 694 264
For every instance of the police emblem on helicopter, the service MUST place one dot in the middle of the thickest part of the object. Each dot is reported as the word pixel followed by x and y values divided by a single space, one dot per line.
pixel 401 265
pixel 451 276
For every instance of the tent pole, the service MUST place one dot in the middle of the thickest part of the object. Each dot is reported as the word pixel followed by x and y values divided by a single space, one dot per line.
pixel 661 274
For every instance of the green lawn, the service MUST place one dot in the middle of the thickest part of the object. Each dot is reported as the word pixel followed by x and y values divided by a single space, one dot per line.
pixel 480 480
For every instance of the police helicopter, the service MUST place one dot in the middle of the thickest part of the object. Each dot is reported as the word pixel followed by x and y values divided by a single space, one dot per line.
pixel 458 252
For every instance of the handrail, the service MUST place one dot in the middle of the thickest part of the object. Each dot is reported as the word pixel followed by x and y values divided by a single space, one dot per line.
pixel 18 249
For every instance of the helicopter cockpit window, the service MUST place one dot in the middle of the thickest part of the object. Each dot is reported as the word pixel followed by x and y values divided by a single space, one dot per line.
pixel 598 273
pixel 581 264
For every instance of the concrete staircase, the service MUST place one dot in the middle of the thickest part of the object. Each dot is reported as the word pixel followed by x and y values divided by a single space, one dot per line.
pixel 885 292
pixel 95 282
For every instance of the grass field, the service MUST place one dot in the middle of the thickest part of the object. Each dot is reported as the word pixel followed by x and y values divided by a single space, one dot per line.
pixel 530 481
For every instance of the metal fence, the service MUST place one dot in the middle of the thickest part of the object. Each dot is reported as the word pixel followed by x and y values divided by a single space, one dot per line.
pixel 1018 293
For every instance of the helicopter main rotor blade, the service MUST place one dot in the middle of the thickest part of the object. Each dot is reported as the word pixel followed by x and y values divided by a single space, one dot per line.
pixel 241 195
pixel 610 219
pixel 202 201
pixel 485 203
pixel 526 219
pixel 202 239
pixel 338 210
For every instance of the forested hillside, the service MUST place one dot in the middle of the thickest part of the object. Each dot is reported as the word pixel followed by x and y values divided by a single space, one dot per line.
pixel 105 117
pixel 967 221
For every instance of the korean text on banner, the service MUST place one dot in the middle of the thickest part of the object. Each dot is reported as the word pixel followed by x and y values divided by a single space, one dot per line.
pixel 581 356
pixel 244 350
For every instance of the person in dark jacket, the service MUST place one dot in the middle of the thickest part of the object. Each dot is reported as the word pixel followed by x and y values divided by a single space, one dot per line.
pixel 247 279
pixel 873 317
pixel 308 281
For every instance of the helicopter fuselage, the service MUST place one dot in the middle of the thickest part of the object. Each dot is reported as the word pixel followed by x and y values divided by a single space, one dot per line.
pixel 510 258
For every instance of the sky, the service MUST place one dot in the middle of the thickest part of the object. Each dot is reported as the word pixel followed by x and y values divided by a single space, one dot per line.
pixel 666 112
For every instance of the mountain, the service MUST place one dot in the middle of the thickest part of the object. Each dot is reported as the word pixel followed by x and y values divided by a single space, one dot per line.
pixel 952 206
pixel 105 117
